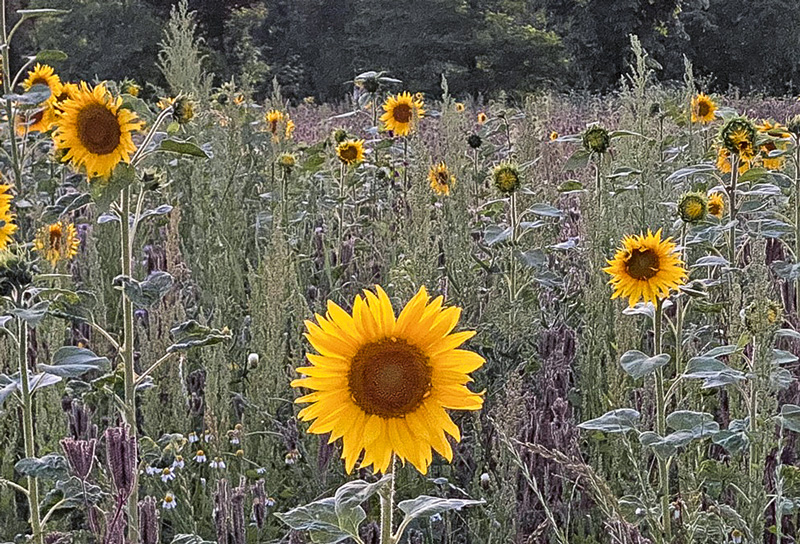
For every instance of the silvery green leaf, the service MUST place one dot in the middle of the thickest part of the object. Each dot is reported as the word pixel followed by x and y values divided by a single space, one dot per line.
pixel 615 421
pixel 72 362
pixel 638 365
pixel 426 506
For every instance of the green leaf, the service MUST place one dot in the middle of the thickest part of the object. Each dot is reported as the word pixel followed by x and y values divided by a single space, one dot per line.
pixel 790 417
pixel 426 506
pixel 714 373
pixel 72 362
pixel 149 292
pixel 49 467
pixel 71 492
pixel 571 186
pixel 639 365
pixel 615 421
pixel 699 424
pixel 164 209
pixel 545 210
pixel 732 441
pixel 182 148
pixel 67 203
pixel 7 387
pixel 319 519
pixel 33 315
pixel 578 160
pixel 190 539
pixel 348 500
pixel 32 97
pixel 192 334
pixel 781 357
pixel 51 55
pixel 494 234
pixel 104 192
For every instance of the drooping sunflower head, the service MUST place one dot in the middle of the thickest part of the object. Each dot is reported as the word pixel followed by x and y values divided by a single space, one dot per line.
pixel 693 207
pixel 703 109
pixel 183 109
pixel 95 131
pixel 441 179
pixel 15 273
pixel 43 74
pixel 793 126
pixel 716 205
pixel 645 267
pixel 507 177
pixel 350 152
pixel 57 242
pixel 402 112
pixel 763 316
pixel 738 136
pixel 164 103
pixel 596 139
pixel 382 382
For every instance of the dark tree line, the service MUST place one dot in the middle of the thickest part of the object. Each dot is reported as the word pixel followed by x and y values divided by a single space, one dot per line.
pixel 482 46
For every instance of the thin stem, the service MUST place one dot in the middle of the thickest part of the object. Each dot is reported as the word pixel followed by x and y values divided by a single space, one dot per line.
pixel 27 424
pixel 752 409
pixel 661 423
pixel 797 223
pixel 153 367
pixel 127 353
pixel 387 508
pixel 342 198
pixel 514 224
pixel 732 199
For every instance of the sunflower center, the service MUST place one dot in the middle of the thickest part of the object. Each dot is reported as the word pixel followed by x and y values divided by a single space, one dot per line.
pixel 389 378
pixel 642 264
pixel 98 129
pixel 703 108
pixel 39 81
pixel 402 113
pixel 349 153
pixel 55 238
pixel 443 178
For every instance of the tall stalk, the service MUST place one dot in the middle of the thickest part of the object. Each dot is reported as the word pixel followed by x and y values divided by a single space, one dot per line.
pixel 733 209
pixel 661 423
pixel 27 424
pixel 387 508
pixel 797 223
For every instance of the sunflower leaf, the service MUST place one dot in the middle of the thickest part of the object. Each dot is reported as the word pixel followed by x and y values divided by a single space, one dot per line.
pixel 615 421
pixel 426 506
pixel 33 315
pixel 32 97
pixel 49 467
pixel 51 55
pixel 192 334
pixel 72 362
pixel 182 147
pixel 149 292
pixel 104 192
pixel 639 365
pixel 42 12
pixel 579 159
pixel 319 519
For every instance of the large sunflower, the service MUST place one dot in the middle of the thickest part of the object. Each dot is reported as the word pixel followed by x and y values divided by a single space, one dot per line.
pixel 43 74
pixel 401 112
pixel 95 131
pixel 645 267
pixel 703 109
pixel 382 383
pixel 57 242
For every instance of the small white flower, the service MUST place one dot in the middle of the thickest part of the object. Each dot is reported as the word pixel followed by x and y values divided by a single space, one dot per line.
pixel 252 360
pixel 151 470
pixel 235 440
pixel 292 457
pixel 178 462
pixel 193 438
pixel 261 470
pixel 208 437
pixel 200 457
pixel 270 502
pixel 167 475
pixel 169 501
pixel 217 463
pixel 639 511
pixel 485 478
pixel 436 518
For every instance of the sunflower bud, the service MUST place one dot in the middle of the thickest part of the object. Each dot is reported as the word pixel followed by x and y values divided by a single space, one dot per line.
pixel 763 316
pixel 183 111
pixel 693 207
pixel 794 125
pixel 596 139
pixel 716 205
pixel 474 141
pixel 15 273
pixel 506 177
pixel 339 135
pixel 130 87
pixel 287 161
pixel 738 136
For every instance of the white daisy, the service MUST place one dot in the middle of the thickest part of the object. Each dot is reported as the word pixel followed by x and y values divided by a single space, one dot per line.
pixel 169 501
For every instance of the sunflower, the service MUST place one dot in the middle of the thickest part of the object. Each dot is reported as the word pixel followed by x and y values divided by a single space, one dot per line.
pixel 279 124
pixel 460 107
pixel 131 87
pixel 350 151
pixel 778 140
pixel 645 267
pixel 401 111
pixel 441 179
pixel 553 136
pixel 703 109
pixel 724 162
pixel 506 177
pixel 693 207
pixel 41 119
pixel 57 242
pixel 596 139
pixel 716 205
pixel 95 131
pixel 738 136
pixel 43 74
pixel 7 225
pixel 382 382
pixel 68 92
pixel 165 102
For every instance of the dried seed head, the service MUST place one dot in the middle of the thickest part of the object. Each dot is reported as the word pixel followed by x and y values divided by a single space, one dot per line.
pixel 148 521
pixel 80 456
pixel 259 494
pixel 122 458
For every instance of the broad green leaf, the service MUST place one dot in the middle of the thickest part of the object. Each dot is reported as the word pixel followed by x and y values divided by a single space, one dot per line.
pixel 348 500
pixel 51 55
pixel 106 191
pixel 790 417
pixel 33 315
pixel 7 387
pixel 32 97
pixel 615 421
pixel 73 494
pixel 781 357
pixel 66 204
pixel 149 292
pixel 72 362
pixel 545 210
pixel 191 334
pixel 639 365
pixel 319 519
pixel 714 373
pixel 579 159
pixel 426 506
pixel 183 148
pixel 49 467
pixel 494 234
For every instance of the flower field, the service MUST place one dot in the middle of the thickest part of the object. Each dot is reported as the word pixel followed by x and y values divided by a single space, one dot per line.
pixel 402 317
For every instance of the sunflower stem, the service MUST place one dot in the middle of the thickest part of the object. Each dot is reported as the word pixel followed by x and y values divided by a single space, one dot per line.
pixel 797 223
pixel 387 507
pixel 28 434
pixel 514 221
pixel 15 158
pixel 661 423
pixel 732 199
pixel 127 354
pixel 342 197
